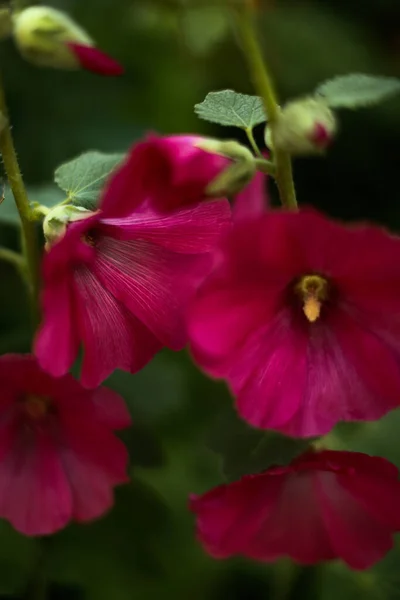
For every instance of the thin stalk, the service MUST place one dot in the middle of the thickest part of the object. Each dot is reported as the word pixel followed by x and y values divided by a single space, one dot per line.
pixel 30 248
pixel 265 88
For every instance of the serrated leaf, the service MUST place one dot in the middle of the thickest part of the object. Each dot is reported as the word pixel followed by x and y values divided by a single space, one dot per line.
pixel 231 109
pixel 357 90
pixel 83 177
pixel 245 450
pixel 46 195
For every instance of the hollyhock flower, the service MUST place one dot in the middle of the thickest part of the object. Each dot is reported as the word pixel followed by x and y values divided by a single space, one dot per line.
pixel 324 505
pixel 252 201
pixel 118 282
pixel 301 317
pixel 48 37
pixel 175 170
pixel 59 457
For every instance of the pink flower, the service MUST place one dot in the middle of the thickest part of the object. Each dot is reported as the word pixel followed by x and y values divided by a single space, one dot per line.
pixel 253 200
pixel 59 457
pixel 93 59
pixel 324 505
pixel 119 281
pixel 301 317
pixel 174 171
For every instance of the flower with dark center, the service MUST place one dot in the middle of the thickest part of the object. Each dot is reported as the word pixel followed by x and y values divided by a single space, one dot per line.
pixel 302 318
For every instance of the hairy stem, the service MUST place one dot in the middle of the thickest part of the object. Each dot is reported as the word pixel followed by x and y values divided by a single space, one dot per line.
pixel 29 238
pixel 264 87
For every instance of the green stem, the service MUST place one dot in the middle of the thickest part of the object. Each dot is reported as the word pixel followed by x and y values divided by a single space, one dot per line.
pixel 265 166
pixel 264 87
pixel 253 144
pixel 29 238
pixel 14 258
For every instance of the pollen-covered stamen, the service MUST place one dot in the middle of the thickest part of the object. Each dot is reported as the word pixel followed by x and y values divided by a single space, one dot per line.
pixel 36 407
pixel 313 290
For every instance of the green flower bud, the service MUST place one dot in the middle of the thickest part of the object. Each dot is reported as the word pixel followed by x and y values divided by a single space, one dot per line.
pixel 57 219
pixel 306 126
pixel 42 35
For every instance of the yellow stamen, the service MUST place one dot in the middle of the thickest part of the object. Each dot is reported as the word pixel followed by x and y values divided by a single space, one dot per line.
pixel 36 406
pixel 312 307
pixel 313 290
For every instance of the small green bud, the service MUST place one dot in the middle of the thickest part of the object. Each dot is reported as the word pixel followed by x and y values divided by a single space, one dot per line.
pixel 42 35
pixel 57 219
pixel 306 126
pixel 237 174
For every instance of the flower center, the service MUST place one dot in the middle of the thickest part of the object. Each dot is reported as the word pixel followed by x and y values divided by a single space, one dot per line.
pixel 313 290
pixel 36 407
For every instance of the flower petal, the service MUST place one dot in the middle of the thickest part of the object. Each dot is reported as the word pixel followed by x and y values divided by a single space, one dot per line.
pixel 154 283
pixel 191 231
pixel 220 320
pixel 93 59
pixel 356 537
pixel 112 337
pixel 34 493
pixel 57 341
pixel 269 374
pixel 111 409
pixel 94 461
pixel 229 516
pixel 252 201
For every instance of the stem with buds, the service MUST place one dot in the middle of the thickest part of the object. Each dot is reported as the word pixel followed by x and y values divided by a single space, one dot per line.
pixel 263 84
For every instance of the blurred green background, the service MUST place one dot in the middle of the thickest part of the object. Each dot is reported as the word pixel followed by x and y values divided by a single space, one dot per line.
pixel 175 51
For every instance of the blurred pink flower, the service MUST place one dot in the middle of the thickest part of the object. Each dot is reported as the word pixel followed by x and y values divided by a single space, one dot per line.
pixel 59 457
pixel 173 171
pixel 93 59
pixel 301 317
pixel 324 505
pixel 118 282
pixel 253 200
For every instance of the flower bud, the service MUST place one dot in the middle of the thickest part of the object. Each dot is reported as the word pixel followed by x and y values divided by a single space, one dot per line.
pixel 49 38
pixel 237 175
pixel 58 218
pixel 306 126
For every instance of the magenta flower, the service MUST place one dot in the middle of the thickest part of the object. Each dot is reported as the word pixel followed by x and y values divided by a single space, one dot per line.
pixel 119 285
pixel 324 505
pixel 301 317
pixel 252 201
pixel 59 457
pixel 175 170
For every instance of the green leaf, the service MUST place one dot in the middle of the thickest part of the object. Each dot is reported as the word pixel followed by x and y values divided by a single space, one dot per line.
pixel 47 195
pixel 357 90
pixel 245 450
pixel 231 109
pixel 84 177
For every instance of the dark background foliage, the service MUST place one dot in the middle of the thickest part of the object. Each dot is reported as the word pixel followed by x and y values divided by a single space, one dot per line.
pixel 174 53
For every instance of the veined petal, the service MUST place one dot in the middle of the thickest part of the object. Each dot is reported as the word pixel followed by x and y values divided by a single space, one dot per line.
pixel 153 282
pixel 57 341
pixel 190 231
pixel 113 338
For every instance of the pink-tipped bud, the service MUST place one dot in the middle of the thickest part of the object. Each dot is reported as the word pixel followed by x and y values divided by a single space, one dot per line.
pixel 49 38
pixel 306 126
